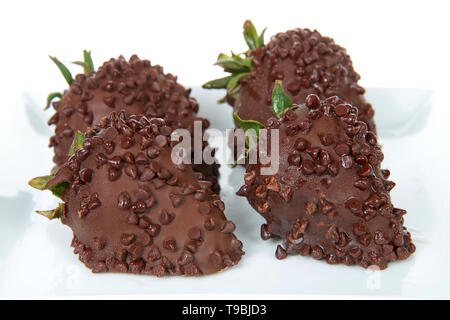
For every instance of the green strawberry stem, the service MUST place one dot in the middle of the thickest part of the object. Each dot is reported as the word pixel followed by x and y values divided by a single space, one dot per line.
pixel 251 37
pixel 57 189
pixel 65 72
pixel 77 143
pixel 280 101
pixel 238 65
pixel 52 214
pixel 50 98
pixel 87 64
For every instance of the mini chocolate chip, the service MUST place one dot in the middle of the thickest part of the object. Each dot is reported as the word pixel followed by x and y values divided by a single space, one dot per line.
pixel 366 170
pixel 307 167
pixel 165 217
pixel 154 254
pixel 312 101
pixel 228 227
pixel 141 159
pixel 153 229
pixel 361 184
pixel 219 204
pixel 185 258
pixel 359 229
pixel 132 218
pixel 147 174
pixel 301 144
pixel 341 110
pixel 139 207
pixel 317 253
pixel 175 199
pixel 342 149
pixel 124 201
pixel 216 258
pixel 194 233
pixel 127 238
pixel 204 208
pixel 86 175
pixel 158 183
pixel 364 239
pixel 280 253
pixel 144 222
pixel 265 234
pixel 354 205
pixel 170 244
pixel 209 224
pixel 347 161
pixel 153 152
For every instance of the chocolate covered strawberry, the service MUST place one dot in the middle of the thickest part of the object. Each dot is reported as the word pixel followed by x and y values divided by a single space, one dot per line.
pixel 307 62
pixel 330 198
pixel 132 209
pixel 135 86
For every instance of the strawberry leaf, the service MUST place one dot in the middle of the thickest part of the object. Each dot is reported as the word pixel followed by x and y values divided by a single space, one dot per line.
pixel 233 84
pixel 234 64
pixel 87 64
pixel 65 72
pixel 238 65
pixel 52 96
pixel 280 101
pixel 77 143
pixel 88 60
pixel 53 214
pixel 40 183
pixel 217 83
pixel 248 124
pixel 251 37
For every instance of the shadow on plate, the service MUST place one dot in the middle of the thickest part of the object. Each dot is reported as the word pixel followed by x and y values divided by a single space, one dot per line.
pixel 36 115
pixel 400 111
pixel 14 218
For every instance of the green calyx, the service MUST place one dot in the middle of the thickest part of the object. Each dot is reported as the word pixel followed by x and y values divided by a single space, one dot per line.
pixel 251 37
pixel 77 143
pixel 87 64
pixel 238 65
pixel 52 96
pixel 52 214
pixel 64 71
pixel 248 124
pixel 57 189
pixel 251 127
pixel 280 101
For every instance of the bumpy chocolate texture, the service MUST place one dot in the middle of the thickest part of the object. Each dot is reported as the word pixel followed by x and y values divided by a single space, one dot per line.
pixel 134 85
pixel 308 64
pixel 329 199
pixel 133 210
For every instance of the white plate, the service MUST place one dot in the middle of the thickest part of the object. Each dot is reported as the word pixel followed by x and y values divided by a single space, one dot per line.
pixel 36 259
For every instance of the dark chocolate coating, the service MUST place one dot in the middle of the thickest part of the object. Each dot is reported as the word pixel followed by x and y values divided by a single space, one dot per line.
pixel 329 199
pixel 134 85
pixel 307 63
pixel 133 210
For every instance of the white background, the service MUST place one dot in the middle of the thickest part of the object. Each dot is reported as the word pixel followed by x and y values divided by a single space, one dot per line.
pixel 392 43
pixel 400 44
